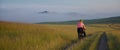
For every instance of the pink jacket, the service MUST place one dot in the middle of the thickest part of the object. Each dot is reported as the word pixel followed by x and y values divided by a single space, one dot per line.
pixel 80 25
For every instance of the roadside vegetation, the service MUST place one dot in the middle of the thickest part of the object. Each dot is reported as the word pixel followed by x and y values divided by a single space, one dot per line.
pixel 15 36
pixel 89 43
pixel 114 37
pixel 113 33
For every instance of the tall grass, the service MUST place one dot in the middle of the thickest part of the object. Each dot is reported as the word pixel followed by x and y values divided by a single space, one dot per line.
pixel 94 44
pixel 112 34
pixel 113 37
pixel 84 44
pixel 15 36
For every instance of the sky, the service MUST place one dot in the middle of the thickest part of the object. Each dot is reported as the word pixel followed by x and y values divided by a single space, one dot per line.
pixel 58 10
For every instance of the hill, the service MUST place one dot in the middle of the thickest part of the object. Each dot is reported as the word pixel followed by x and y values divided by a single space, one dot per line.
pixel 92 21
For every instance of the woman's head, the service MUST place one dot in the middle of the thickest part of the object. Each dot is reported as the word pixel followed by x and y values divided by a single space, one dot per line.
pixel 81 20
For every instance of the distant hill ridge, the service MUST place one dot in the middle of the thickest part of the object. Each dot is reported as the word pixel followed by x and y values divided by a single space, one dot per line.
pixel 92 21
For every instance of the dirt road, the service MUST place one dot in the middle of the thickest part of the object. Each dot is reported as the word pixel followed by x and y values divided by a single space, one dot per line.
pixel 102 45
pixel 69 47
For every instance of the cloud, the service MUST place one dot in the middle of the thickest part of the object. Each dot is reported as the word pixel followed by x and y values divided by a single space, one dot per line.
pixel 64 8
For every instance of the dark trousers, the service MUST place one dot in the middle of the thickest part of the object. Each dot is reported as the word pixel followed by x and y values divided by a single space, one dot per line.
pixel 81 32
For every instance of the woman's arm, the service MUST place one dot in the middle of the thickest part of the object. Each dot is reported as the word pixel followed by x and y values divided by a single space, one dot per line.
pixel 84 27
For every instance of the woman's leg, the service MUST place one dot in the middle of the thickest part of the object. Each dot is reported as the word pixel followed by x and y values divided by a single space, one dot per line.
pixel 78 31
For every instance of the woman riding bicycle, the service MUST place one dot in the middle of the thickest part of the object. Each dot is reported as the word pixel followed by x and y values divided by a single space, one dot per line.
pixel 81 29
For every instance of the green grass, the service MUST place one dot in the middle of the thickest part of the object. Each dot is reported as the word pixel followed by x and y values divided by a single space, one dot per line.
pixel 114 44
pixel 94 44
pixel 112 34
pixel 89 43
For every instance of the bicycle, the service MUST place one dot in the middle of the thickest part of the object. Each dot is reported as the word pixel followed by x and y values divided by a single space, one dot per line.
pixel 81 35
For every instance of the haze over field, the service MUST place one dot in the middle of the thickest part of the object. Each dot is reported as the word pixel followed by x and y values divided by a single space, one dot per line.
pixel 33 11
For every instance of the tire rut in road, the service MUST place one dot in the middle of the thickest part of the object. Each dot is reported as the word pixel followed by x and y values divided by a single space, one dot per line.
pixel 103 45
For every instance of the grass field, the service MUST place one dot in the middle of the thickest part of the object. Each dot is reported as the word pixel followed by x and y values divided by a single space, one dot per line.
pixel 113 32
pixel 17 36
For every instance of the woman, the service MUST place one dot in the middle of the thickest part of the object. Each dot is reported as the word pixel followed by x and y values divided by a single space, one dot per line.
pixel 81 29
